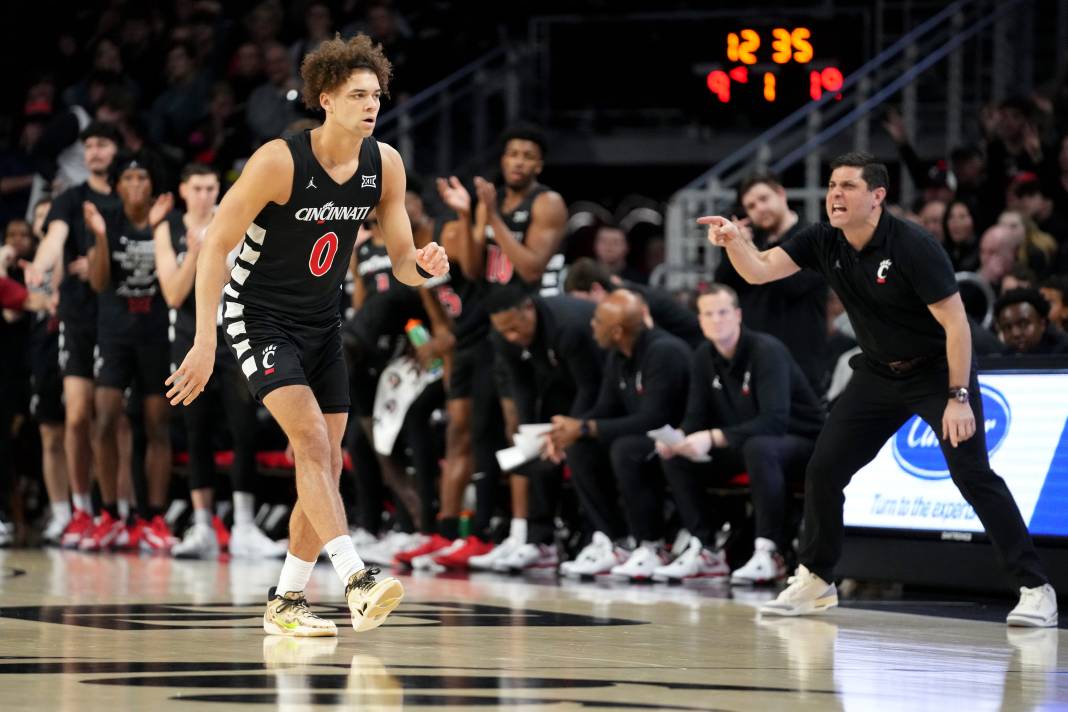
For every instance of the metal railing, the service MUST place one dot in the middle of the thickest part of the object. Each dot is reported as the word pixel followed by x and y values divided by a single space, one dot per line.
pixel 460 115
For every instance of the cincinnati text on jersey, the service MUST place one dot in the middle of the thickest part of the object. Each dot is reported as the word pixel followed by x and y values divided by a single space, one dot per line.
pixel 331 212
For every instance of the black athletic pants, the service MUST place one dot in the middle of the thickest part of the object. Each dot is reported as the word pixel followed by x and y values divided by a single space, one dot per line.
pixel 226 386
pixel 871 409
pixel 627 465
pixel 768 459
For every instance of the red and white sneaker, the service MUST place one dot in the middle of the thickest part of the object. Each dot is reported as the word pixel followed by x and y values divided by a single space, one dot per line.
pixel 222 534
pixel 157 537
pixel 528 557
pixel 79 527
pixel 105 531
pixel 642 564
pixel 694 562
pixel 457 559
pixel 130 539
pixel 436 543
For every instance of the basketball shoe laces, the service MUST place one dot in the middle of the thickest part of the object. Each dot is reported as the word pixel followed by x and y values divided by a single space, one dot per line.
pixel 300 604
pixel 364 580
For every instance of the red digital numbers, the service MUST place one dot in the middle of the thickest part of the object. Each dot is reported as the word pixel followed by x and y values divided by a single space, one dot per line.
pixel 323 253
pixel 785 46
pixel 830 79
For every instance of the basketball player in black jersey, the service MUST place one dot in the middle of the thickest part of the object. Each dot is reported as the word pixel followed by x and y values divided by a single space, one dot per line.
pixel 133 349
pixel 65 245
pixel 177 244
pixel 301 201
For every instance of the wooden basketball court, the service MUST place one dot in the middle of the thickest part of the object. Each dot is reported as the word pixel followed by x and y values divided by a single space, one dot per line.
pixel 119 632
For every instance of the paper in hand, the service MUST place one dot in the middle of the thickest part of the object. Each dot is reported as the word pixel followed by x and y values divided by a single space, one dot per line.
pixel 673 436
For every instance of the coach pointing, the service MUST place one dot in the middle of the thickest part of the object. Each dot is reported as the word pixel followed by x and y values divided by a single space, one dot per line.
pixel 897 286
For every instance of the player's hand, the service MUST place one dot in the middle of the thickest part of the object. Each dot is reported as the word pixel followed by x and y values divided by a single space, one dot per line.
pixel 745 228
pixel 426 354
pixel 7 258
pixel 696 445
pixel 454 194
pixel 550 452
pixel 487 195
pixel 721 231
pixel 93 219
pixel 79 267
pixel 665 451
pixel 33 276
pixel 958 422
pixel 565 432
pixel 192 376
pixel 162 205
pixel 433 259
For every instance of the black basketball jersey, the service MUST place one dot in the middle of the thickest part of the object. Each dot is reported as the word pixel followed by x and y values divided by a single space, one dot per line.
pixel 77 300
pixel 457 296
pixel 499 269
pixel 184 318
pixel 388 303
pixel 294 258
pixel 131 308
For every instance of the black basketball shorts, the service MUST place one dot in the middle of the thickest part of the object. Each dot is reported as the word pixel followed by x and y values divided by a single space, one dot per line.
pixel 77 348
pixel 275 353
pixel 124 363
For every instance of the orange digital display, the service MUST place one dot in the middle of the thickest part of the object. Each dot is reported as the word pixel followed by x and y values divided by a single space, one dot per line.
pixel 746 49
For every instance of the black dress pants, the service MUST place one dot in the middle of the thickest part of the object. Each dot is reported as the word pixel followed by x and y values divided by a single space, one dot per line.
pixel 871 409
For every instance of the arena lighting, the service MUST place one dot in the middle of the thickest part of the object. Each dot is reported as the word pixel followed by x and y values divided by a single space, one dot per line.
pixel 748 47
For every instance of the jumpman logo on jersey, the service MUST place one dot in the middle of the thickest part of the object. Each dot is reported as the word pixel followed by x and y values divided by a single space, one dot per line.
pixel 311 184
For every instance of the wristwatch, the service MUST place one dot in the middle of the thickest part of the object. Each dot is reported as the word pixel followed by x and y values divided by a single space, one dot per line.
pixel 584 429
pixel 959 394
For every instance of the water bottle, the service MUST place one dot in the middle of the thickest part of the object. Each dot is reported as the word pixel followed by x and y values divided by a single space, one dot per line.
pixel 418 335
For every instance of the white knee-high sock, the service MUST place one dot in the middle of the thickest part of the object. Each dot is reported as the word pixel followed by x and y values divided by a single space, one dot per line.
pixel 295 574
pixel 344 557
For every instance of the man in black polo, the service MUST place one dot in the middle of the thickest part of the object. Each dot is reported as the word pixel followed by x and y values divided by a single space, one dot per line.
pixel 553 367
pixel 752 409
pixel 643 388
pixel 793 310
pixel 898 288
pixel 590 280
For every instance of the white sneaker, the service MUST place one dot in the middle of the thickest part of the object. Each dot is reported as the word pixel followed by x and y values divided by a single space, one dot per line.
pixel 382 551
pixel 199 542
pixel 599 556
pixel 642 564
pixel 1037 608
pixel 694 562
pixel 488 562
pixel 765 566
pixel 529 556
pixel 806 593
pixel 7 534
pixel 247 541
pixel 426 561
pixel 362 538
pixel 53 533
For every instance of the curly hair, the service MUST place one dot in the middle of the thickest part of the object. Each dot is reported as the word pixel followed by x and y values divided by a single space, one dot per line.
pixel 329 66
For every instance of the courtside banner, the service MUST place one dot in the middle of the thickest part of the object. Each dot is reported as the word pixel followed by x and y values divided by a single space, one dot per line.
pixel 907 485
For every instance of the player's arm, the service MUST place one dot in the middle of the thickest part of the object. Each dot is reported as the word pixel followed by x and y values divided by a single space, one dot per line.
pixel 463 238
pixel 99 254
pixel 49 252
pixel 176 282
pixel 958 421
pixel 548 220
pixel 267 177
pixel 359 292
pixel 397 228
pixel 755 266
